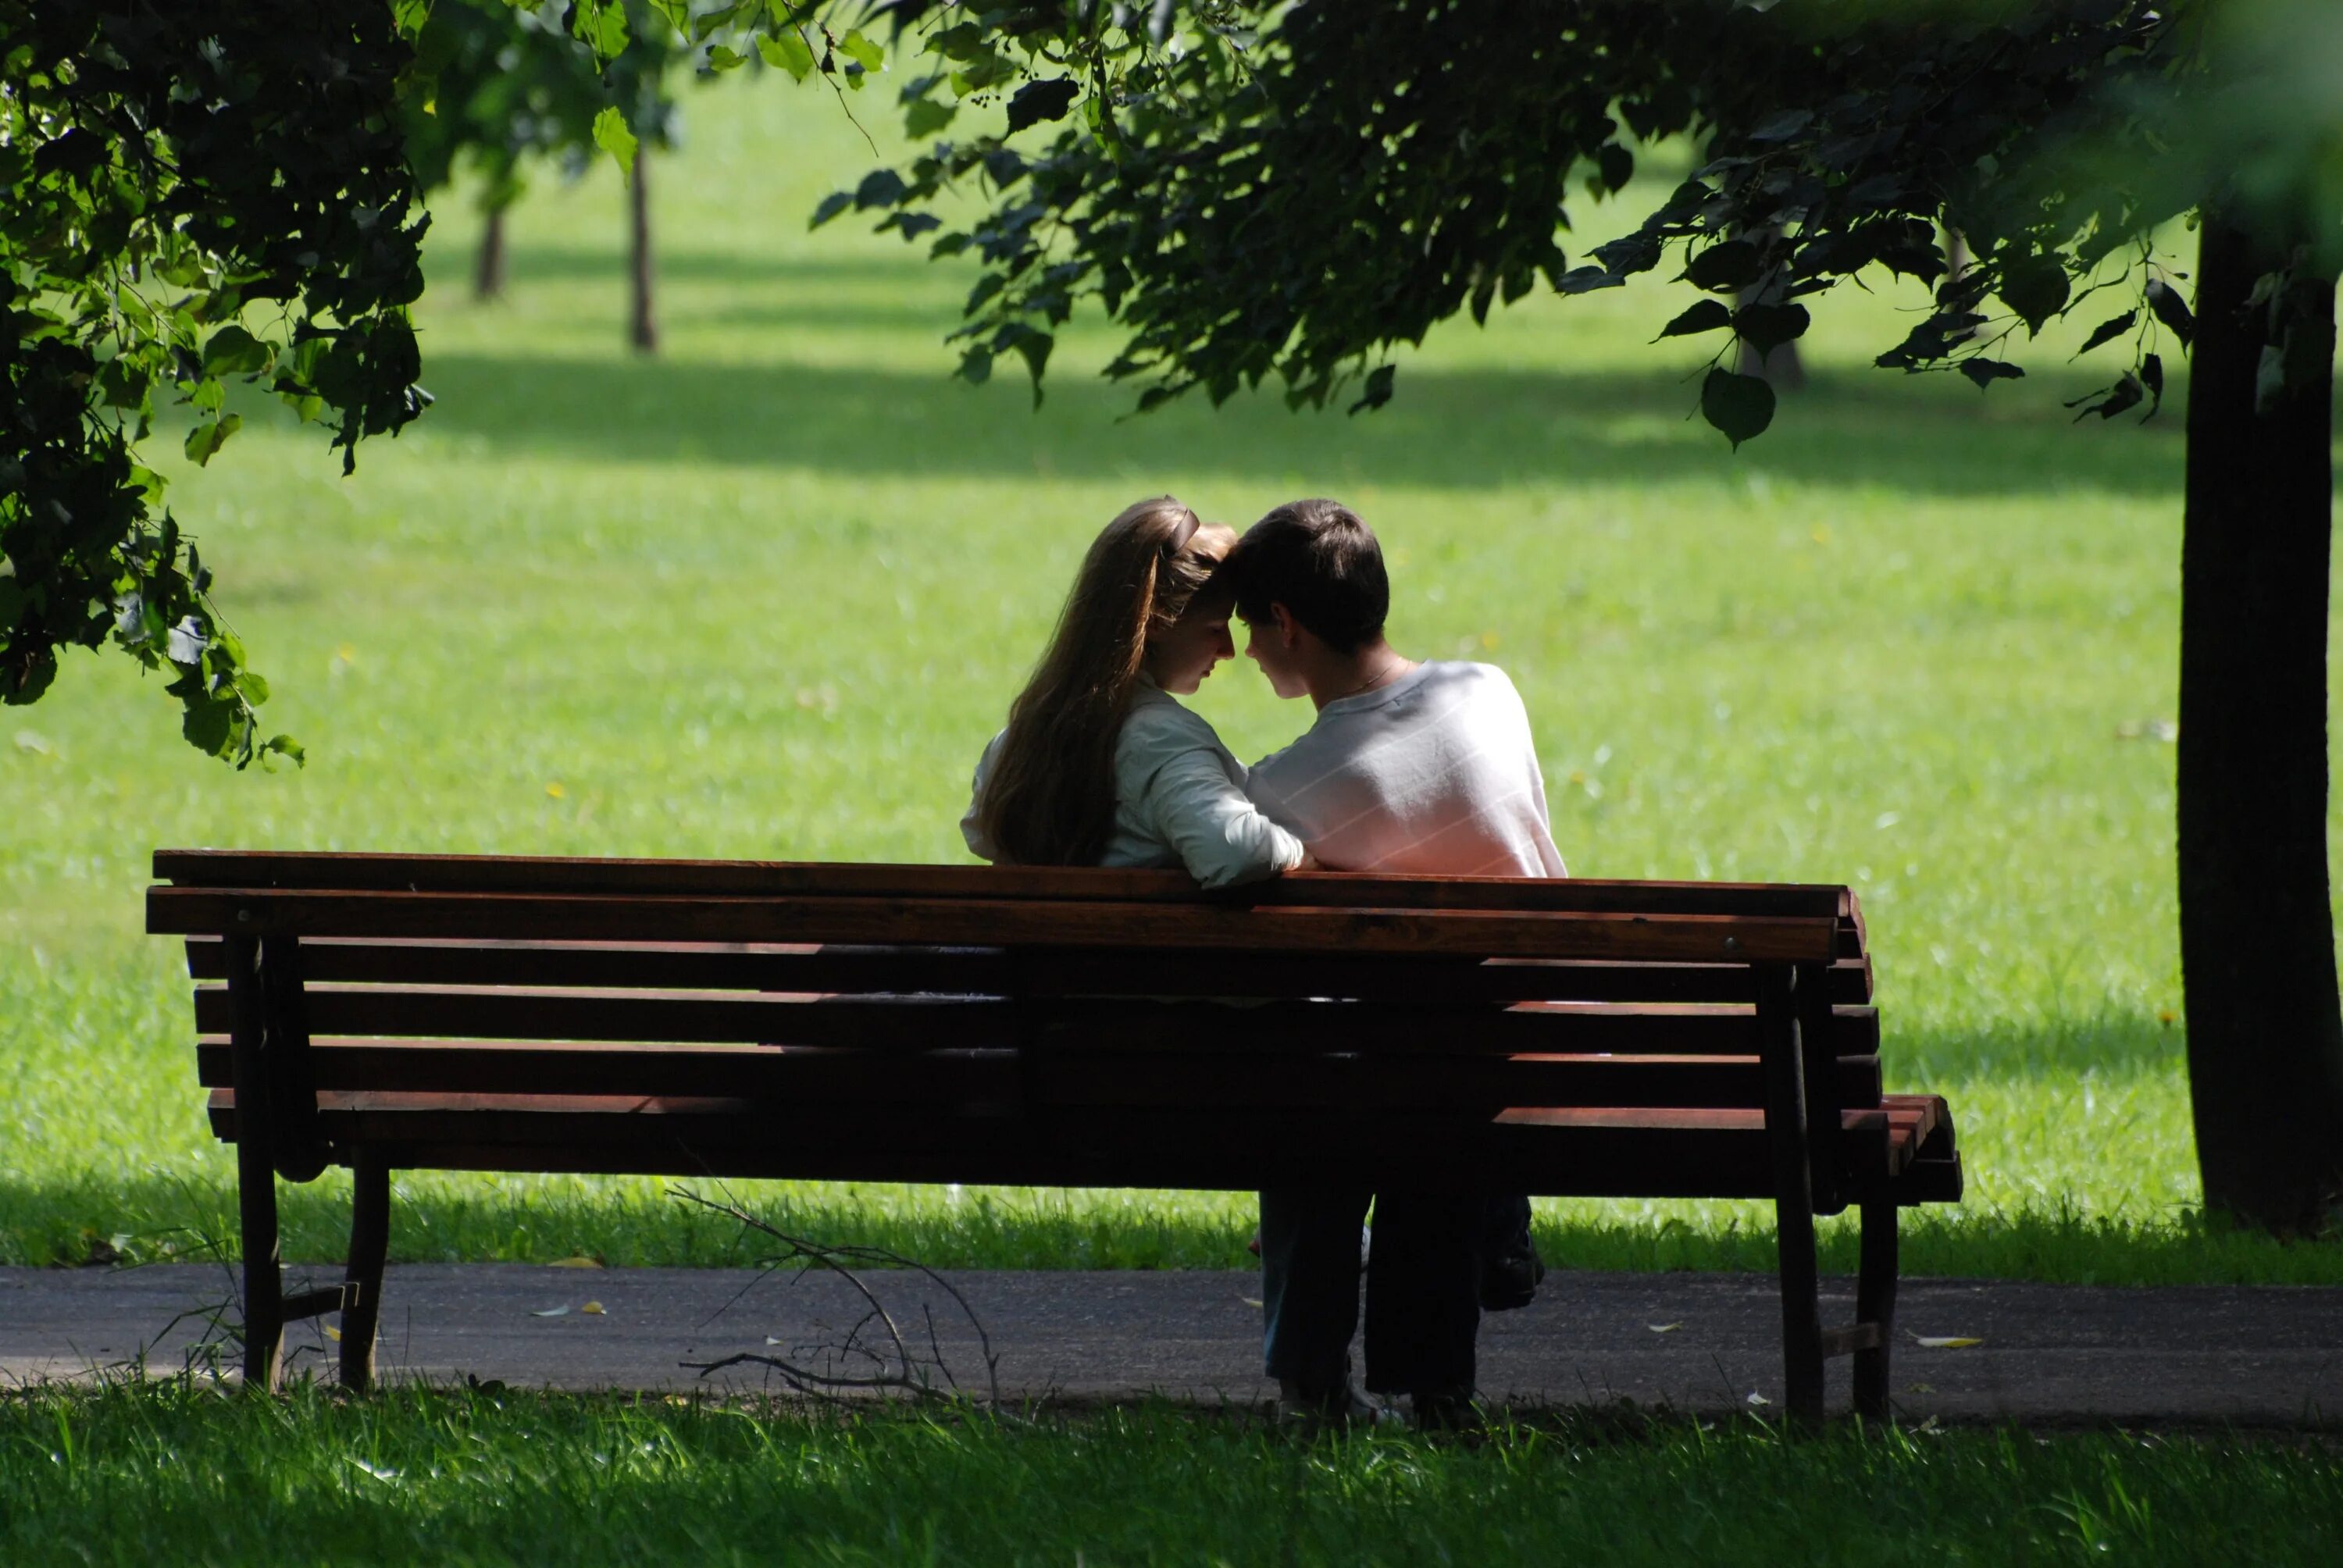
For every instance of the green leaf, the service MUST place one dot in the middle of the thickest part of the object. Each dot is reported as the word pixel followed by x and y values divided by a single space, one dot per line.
pixel 1985 372
pixel 724 58
pixel 210 435
pixel 124 385
pixel 2171 309
pixel 1766 328
pixel 2036 289
pixel 1707 317
pixel 1739 406
pixel 2108 330
pixel 1378 389
pixel 282 746
pixel 1616 165
pixel 1782 126
pixel 880 187
pixel 2113 401
pixel 1038 101
pixel 1032 344
pixel 701 28
pixel 1585 279
pixel 233 351
pixel 785 51
pixel 833 204
pixel 613 136
pixel 207 724
pixel 601 27
pixel 1726 267
pixel 963 41
pixel 928 116
pixel 863 50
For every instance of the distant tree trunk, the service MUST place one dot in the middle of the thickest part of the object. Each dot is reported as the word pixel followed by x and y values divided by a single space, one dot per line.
pixel 2256 926
pixel 1957 262
pixel 1781 366
pixel 642 331
pixel 488 276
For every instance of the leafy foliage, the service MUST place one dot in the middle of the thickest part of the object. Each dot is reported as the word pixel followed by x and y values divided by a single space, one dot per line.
pixel 497 83
pixel 193 196
pixel 1257 192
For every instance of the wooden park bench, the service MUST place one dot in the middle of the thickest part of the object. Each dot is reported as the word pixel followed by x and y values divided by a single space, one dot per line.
pixel 1059 1027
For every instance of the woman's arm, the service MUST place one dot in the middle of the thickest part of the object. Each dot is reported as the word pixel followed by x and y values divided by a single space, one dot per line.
pixel 1203 813
pixel 971 829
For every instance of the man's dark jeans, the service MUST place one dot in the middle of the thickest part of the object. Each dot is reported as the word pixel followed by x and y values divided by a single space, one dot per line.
pixel 1424 1300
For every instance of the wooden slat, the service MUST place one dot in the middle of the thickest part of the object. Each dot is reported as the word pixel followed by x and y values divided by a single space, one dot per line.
pixel 1033 971
pixel 845 1079
pixel 314 1303
pixel 864 1079
pixel 550 874
pixel 1107 1024
pixel 1665 938
pixel 1593 1153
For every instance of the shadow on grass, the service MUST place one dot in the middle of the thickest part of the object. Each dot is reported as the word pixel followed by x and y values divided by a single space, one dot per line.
pixel 71 1220
pixel 1462 429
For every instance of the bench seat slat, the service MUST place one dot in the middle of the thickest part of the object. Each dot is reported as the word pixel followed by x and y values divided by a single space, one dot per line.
pixel 1616 1153
pixel 839 967
pixel 920 1022
pixel 1184 1079
pixel 1199 927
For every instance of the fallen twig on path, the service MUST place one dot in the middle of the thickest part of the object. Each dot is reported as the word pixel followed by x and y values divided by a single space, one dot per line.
pixel 890 1365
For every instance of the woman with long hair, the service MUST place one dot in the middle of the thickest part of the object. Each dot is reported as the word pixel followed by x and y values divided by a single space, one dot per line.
pixel 1099 765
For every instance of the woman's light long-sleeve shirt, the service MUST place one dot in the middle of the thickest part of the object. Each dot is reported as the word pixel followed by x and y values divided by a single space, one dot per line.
pixel 1179 801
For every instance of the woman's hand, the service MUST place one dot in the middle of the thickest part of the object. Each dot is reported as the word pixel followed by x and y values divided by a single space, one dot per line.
pixel 1310 862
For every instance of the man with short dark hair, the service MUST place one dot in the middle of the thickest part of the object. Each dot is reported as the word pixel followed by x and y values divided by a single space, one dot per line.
pixel 1411 767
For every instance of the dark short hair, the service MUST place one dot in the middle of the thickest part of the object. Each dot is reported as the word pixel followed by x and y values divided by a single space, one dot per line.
pixel 1322 564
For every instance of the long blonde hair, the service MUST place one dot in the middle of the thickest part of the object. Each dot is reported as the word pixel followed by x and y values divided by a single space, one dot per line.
pixel 1049 798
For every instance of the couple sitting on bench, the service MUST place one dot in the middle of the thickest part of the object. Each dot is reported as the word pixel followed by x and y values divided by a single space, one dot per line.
pixel 1410 767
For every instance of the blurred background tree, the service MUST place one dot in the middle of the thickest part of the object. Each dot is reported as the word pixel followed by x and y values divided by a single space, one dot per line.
pixel 501 85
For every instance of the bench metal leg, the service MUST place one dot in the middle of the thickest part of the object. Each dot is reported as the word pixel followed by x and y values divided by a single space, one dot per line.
pixel 255 1172
pixel 1874 1303
pixel 1794 1199
pixel 362 1281
pixel 263 1277
pixel 1802 1315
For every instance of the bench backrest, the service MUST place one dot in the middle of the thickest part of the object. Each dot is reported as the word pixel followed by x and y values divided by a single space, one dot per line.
pixel 1159 1028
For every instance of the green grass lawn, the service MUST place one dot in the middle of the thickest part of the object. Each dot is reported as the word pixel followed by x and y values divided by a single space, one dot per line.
pixel 175 1473
pixel 767 594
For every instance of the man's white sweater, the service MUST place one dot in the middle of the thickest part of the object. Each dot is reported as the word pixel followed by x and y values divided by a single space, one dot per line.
pixel 1434 773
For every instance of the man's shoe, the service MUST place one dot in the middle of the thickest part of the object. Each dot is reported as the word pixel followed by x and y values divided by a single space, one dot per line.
pixel 1443 1410
pixel 1344 1409
pixel 1510 1279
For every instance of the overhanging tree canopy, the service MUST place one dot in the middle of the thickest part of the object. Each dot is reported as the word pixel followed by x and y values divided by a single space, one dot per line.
pixel 165 169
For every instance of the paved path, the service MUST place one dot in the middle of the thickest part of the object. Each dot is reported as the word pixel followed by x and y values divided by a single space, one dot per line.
pixel 2263 1356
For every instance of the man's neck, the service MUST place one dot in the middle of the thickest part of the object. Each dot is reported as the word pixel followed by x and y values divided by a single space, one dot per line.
pixel 1340 675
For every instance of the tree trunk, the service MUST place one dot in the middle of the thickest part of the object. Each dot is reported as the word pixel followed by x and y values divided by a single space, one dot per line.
pixel 2257 928
pixel 1781 366
pixel 642 329
pixel 1957 262
pixel 488 276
